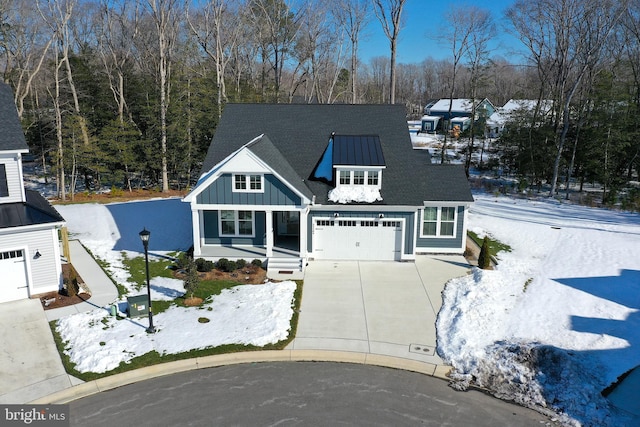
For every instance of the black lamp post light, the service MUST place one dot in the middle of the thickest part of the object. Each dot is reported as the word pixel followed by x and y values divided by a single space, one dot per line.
pixel 144 236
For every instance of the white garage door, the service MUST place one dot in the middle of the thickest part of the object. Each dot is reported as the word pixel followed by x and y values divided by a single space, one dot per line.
pixel 357 239
pixel 14 276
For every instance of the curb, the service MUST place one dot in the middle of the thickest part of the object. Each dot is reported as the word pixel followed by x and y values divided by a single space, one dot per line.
pixel 126 378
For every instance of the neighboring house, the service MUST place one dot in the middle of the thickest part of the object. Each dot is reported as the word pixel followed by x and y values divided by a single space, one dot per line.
pixel 29 248
pixel 286 183
pixel 497 121
pixel 460 107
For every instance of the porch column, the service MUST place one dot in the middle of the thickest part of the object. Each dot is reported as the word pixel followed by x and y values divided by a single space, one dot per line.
pixel 197 224
pixel 269 233
pixel 303 232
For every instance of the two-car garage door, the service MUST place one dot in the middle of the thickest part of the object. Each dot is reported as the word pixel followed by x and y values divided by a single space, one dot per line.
pixel 357 239
pixel 14 276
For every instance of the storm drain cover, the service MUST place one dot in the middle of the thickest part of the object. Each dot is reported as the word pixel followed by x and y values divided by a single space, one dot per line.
pixel 422 349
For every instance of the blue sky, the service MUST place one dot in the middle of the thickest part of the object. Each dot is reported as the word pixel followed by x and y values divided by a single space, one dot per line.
pixel 423 20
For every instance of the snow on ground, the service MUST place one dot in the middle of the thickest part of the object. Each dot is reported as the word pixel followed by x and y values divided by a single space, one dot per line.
pixel 97 342
pixel 110 232
pixel 246 314
pixel 557 321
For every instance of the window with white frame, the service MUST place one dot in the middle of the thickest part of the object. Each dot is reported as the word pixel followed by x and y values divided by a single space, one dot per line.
pixel 248 183
pixel 438 221
pixel 236 223
pixel 359 177
pixel 372 177
pixel 345 177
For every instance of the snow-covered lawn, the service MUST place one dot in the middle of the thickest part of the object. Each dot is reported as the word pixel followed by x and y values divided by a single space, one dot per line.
pixel 96 342
pixel 557 321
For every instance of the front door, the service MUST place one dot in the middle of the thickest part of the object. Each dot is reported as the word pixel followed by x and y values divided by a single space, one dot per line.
pixel 286 228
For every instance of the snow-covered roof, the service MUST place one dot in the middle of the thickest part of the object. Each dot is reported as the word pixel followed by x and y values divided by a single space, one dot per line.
pixel 503 114
pixel 463 105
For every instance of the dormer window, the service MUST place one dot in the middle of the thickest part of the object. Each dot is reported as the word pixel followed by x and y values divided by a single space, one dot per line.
pixel 345 177
pixel 248 183
pixel 372 178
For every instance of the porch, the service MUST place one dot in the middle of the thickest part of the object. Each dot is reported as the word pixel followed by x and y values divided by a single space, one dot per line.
pixel 283 264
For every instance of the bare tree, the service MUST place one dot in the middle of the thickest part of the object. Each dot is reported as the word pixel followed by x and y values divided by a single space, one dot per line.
pixel 165 16
pixel 482 31
pixel 217 28
pixel 389 13
pixel 353 16
pixel 565 39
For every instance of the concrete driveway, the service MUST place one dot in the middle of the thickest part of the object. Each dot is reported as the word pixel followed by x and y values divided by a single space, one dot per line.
pixel 386 308
pixel 31 366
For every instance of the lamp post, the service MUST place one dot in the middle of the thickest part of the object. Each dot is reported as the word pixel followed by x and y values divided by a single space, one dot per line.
pixel 144 236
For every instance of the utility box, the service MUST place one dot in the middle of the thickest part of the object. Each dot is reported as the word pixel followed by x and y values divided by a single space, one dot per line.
pixel 138 305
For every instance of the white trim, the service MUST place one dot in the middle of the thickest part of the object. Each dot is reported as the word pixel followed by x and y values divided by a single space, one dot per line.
pixel 438 222
pixel 32 227
pixel 247 182
pixel 215 172
pixel 232 207
pixel 236 224
pixel 403 229
pixel 365 169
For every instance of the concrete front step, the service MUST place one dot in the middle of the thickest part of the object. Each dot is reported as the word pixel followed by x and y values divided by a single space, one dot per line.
pixel 285 268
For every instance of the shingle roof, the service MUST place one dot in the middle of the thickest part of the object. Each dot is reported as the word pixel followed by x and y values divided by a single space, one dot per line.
pixel 36 210
pixel 300 133
pixel 11 136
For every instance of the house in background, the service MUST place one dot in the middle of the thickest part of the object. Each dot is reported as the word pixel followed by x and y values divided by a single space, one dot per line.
pixel 510 111
pixel 287 183
pixel 29 248
pixel 460 107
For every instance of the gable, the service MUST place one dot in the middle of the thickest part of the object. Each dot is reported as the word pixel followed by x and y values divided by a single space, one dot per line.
pixel 278 185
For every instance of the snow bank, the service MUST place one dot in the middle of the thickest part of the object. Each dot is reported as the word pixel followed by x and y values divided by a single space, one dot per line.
pixel 556 321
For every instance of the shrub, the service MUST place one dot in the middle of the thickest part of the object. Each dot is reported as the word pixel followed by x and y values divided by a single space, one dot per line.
pixel 241 263
pixel 204 265
pixel 227 266
pixel 71 283
pixel 484 259
pixel 257 263
pixel 191 279
pixel 182 261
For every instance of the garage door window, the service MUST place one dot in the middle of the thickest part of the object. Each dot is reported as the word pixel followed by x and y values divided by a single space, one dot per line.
pixel 438 222
pixel 11 254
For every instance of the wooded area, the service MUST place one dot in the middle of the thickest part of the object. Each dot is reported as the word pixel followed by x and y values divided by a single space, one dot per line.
pixel 128 93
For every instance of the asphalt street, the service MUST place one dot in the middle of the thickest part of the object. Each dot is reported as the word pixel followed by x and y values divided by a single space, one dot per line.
pixel 297 393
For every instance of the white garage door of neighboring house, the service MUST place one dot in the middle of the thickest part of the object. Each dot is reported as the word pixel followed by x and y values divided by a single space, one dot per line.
pixel 357 239
pixel 14 276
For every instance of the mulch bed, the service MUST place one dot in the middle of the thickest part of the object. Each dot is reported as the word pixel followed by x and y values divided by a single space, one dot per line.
pixel 57 299
pixel 250 275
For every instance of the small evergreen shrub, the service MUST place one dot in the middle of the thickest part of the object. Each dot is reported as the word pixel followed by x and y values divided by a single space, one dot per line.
pixel 484 259
pixel 182 261
pixel 257 263
pixel 204 266
pixel 241 263
pixel 227 266
pixel 191 279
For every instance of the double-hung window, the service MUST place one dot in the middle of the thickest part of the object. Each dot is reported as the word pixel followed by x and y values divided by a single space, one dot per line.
pixel 438 221
pixel 248 183
pixel 345 177
pixel 236 223
pixel 372 177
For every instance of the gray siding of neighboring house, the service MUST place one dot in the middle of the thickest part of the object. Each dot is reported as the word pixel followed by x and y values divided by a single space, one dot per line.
pixel 14 182
pixel 275 193
pixel 409 231
pixel 212 231
pixel 433 244
pixel 45 271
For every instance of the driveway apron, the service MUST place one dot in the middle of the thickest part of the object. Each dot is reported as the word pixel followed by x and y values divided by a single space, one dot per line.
pixel 31 366
pixel 386 308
